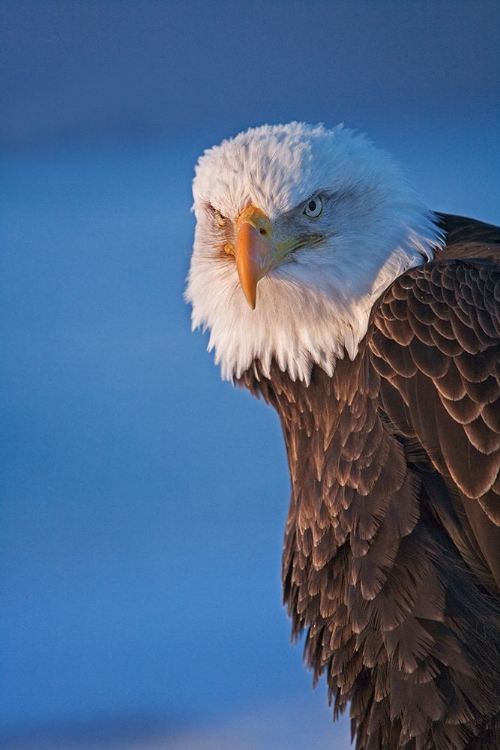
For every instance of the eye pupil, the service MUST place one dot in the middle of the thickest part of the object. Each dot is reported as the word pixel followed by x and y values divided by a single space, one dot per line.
pixel 313 207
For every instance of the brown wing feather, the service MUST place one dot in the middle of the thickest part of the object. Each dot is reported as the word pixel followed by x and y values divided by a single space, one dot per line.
pixel 456 424
pixel 467 239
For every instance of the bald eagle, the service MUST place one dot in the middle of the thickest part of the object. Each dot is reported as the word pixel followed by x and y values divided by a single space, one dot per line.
pixel 372 326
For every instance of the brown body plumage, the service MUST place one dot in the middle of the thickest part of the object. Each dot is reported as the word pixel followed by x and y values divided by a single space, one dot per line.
pixel 392 558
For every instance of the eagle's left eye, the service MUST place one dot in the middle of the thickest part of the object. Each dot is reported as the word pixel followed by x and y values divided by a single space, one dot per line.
pixel 313 207
pixel 219 218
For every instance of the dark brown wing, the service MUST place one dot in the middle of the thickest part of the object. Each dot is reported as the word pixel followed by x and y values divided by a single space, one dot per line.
pixel 467 239
pixel 436 344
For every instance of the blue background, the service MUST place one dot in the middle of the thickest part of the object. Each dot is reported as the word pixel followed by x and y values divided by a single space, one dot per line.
pixel 142 500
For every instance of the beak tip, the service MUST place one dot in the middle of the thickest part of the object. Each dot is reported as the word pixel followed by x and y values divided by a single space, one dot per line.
pixel 251 298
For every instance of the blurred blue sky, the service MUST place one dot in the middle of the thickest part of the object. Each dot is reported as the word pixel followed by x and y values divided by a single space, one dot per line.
pixel 142 500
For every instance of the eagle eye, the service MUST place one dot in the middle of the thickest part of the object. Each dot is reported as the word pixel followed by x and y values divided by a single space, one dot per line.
pixel 219 218
pixel 313 207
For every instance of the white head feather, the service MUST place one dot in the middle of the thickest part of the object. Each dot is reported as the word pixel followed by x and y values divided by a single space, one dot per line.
pixel 316 307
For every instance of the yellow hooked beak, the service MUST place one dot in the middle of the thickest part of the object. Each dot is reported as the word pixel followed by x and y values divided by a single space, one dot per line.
pixel 254 251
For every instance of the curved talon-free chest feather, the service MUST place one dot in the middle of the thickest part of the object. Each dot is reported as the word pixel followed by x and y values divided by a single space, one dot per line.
pixel 391 562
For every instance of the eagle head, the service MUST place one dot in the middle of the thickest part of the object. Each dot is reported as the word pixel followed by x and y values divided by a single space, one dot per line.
pixel 299 229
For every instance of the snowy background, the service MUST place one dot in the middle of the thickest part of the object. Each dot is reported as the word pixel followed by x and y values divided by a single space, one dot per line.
pixel 142 500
